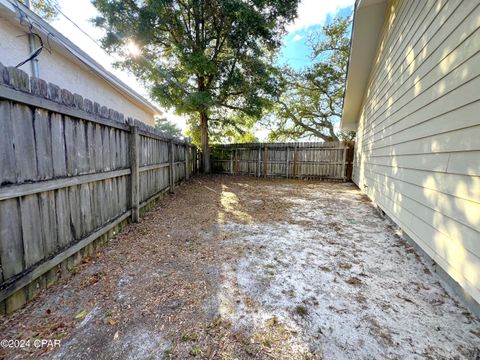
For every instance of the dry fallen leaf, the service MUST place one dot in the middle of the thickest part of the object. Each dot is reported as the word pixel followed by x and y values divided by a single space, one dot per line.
pixel 81 315
pixel 171 281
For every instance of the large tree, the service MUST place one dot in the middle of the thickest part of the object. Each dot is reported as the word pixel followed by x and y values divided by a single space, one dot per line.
pixel 205 57
pixel 311 101
pixel 235 129
pixel 168 127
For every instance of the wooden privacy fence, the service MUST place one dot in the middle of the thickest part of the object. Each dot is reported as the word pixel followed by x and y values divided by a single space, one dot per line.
pixel 71 171
pixel 331 160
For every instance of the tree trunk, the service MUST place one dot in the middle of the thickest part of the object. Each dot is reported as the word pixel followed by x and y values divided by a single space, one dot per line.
pixel 205 149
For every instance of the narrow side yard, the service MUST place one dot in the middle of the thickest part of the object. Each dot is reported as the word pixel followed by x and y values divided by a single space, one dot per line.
pixel 241 268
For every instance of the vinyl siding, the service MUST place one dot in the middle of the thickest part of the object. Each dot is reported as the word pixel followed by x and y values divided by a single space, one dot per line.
pixel 418 137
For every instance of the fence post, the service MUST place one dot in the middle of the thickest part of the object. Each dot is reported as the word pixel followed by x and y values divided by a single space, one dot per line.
pixel 236 162
pixel 134 175
pixel 195 160
pixel 187 160
pixel 171 171
pixel 265 161
pixel 259 160
pixel 350 154
pixel 344 163
pixel 222 158
pixel 287 165
pixel 231 162
pixel 295 161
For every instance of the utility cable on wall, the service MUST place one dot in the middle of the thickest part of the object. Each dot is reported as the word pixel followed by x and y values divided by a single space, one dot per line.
pixel 32 25
pixel 46 31
pixel 35 52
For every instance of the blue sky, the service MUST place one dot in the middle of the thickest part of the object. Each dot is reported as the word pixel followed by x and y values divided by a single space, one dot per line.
pixel 312 14
pixel 295 51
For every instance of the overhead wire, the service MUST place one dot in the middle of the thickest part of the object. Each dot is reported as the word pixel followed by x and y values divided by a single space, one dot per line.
pixel 54 6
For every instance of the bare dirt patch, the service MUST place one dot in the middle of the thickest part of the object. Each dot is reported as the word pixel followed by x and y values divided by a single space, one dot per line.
pixel 241 268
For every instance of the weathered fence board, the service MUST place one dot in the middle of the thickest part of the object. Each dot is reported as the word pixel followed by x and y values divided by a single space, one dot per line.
pixel 290 160
pixel 70 172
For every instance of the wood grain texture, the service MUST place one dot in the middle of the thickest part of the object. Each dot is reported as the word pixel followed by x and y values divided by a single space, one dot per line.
pixel 296 160
pixel 11 238
pixel 7 146
pixel 134 177
pixel 67 177
pixel 31 230
pixel 24 140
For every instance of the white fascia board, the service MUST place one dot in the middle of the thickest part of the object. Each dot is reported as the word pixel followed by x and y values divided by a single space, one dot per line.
pixel 368 22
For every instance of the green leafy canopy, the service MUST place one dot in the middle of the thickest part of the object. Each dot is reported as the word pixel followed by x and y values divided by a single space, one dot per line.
pixel 199 55
pixel 168 127
pixel 312 98
pixel 47 9
pixel 212 58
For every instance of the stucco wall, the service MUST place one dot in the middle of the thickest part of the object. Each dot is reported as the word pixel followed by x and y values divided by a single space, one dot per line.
pixel 418 142
pixel 67 73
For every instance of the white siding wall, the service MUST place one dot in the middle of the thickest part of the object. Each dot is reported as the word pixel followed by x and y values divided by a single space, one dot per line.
pixel 67 73
pixel 418 142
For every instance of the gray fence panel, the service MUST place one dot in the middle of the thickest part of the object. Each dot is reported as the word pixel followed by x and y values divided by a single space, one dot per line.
pixel 65 176
pixel 291 160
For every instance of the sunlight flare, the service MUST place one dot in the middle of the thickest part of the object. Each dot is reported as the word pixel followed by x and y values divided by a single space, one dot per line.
pixel 132 48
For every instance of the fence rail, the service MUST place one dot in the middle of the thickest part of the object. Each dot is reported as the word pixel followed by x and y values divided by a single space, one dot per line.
pixel 71 170
pixel 291 160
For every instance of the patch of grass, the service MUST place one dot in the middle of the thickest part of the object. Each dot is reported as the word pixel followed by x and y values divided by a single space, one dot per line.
pixel 186 337
pixel 217 324
pixel 301 310
pixel 267 342
pixel 108 313
pixel 249 350
pixel 273 321
pixel 168 353
pixel 196 351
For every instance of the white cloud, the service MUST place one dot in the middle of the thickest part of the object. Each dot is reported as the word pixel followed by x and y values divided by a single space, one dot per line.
pixel 297 37
pixel 314 12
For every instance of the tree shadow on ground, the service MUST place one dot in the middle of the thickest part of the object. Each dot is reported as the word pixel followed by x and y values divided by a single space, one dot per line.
pixel 236 267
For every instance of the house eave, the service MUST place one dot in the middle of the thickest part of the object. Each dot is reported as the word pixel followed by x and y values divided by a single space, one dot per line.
pixel 368 21
pixel 59 40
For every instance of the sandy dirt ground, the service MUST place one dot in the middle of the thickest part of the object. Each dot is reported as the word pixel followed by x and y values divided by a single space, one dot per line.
pixel 242 268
